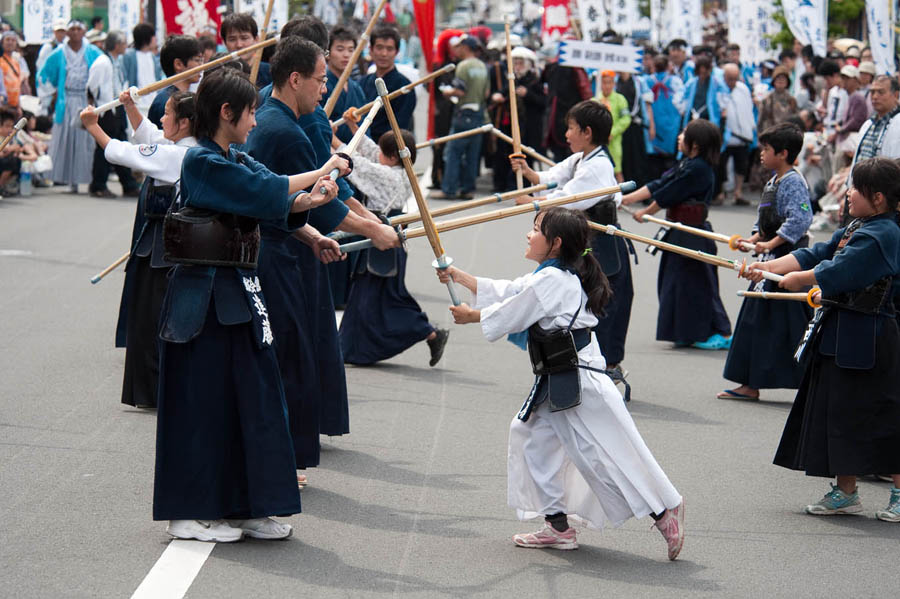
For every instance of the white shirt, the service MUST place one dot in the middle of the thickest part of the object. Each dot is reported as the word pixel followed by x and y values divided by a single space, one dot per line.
pixel 577 175
pixel 835 107
pixel 146 75
pixel 102 80
pixel 151 153
pixel 739 112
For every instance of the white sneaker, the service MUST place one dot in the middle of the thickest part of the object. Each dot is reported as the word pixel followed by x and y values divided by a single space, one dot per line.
pixel 263 528
pixel 217 531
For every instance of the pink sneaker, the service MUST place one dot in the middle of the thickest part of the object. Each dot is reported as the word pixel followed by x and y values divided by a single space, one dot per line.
pixel 671 525
pixel 548 538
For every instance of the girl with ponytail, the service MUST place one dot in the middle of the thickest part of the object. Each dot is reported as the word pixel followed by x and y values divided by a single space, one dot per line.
pixel 573 448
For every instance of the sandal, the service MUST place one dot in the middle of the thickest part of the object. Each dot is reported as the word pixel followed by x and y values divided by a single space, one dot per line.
pixel 302 481
pixel 729 394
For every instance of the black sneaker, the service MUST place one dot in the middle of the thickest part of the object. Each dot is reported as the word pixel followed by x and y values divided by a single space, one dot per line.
pixel 437 345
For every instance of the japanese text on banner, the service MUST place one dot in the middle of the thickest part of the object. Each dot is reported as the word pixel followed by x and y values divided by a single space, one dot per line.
pixel 588 55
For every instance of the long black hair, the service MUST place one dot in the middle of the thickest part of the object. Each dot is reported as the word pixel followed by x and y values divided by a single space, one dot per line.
pixel 706 137
pixel 220 87
pixel 875 175
pixel 572 229
pixel 184 103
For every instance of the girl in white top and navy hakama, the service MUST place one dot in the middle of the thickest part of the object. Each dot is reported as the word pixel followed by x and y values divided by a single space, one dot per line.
pixel 573 447
pixel 158 154
pixel 590 167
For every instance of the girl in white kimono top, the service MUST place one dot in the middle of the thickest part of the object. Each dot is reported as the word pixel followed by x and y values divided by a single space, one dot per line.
pixel 568 458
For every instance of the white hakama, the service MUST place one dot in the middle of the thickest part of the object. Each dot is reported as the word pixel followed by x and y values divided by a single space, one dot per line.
pixel 588 461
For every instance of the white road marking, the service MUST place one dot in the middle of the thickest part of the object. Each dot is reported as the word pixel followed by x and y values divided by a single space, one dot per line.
pixel 15 253
pixel 174 571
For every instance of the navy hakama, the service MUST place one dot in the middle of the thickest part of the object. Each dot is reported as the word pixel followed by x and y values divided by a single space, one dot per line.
pixel 766 335
pixel 613 254
pixel 382 319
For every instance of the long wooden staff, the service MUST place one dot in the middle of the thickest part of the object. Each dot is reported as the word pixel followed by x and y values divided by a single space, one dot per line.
pixel 734 242
pixel 513 108
pixel 778 295
pixel 484 217
pixel 16 128
pixel 358 112
pixel 254 70
pixel 442 260
pixel 740 267
pixel 99 276
pixel 357 137
pixel 526 149
pixel 188 73
pixel 442 140
pixel 405 219
pixel 354 58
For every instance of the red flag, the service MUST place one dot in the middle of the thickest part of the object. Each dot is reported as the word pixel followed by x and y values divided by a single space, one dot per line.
pixel 424 13
pixel 196 17
pixel 556 19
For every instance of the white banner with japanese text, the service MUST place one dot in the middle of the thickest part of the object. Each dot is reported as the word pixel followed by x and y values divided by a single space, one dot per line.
pixel 683 20
pixel 38 17
pixel 123 16
pixel 750 25
pixel 622 16
pixel 588 55
pixel 257 8
pixel 881 15
pixel 807 21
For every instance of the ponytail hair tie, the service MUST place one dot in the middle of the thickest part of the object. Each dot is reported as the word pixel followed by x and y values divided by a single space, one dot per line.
pixel 586 251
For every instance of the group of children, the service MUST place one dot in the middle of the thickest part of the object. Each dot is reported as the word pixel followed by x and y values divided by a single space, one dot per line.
pixel 223 318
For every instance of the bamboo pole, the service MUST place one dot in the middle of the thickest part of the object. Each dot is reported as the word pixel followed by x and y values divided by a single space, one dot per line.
pixel 441 259
pixel 778 295
pixel 187 74
pixel 357 137
pixel 740 267
pixel 254 70
pixel 358 112
pixel 354 58
pixel 484 217
pixel 442 140
pixel 16 128
pixel 526 149
pixel 99 276
pixel 513 105
pixel 734 242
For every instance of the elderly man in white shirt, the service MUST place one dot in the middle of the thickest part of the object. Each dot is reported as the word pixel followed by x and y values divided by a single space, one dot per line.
pixel 106 80
pixel 739 133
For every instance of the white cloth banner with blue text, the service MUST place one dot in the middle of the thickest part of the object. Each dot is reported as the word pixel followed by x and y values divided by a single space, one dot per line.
pixel 123 16
pixel 38 17
pixel 881 34
pixel 257 8
pixel 683 20
pixel 750 24
pixel 807 21
pixel 602 57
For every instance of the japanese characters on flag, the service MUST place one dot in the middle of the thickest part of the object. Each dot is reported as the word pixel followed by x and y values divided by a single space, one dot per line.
pixel 879 14
pixel 589 55
pixel 749 25
pixel 657 28
pixel 38 17
pixel 624 16
pixel 594 18
pixel 123 16
pixel 556 19
pixel 683 20
pixel 190 17
pixel 807 21
pixel 257 8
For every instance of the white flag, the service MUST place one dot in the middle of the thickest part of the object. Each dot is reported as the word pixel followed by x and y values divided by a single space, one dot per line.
pixel 807 21
pixel 881 34
pixel 123 16
pixel 749 25
pixel 38 17
pixel 258 9
pixel 684 20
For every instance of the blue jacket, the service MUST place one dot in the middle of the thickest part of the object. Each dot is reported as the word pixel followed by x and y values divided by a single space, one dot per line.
pixel 129 67
pixel 352 98
pixel 403 106
pixel 712 101
pixel 54 72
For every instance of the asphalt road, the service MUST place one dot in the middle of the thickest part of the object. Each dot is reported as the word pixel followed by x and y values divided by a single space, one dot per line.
pixel 413 502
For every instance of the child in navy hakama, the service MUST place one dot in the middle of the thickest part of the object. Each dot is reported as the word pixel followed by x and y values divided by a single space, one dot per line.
pixel 845 420
pixel 224 450
pixel 382 319
pixel 574 449
pixel 767 332
pixel 157 154
pixel 690 309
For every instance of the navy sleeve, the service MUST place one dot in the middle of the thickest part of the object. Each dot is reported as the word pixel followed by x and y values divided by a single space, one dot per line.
pixel 859 264
pixel 692 180
pixel 216 183
pixel 327 217
pixel 157 109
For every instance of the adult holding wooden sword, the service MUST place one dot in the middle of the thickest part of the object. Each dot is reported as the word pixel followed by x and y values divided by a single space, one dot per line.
pixel 384 47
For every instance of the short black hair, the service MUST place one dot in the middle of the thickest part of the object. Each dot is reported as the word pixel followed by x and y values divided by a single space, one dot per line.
pixel 294 55
pixel 895 85
pixel 705 136
pixel 828 67
pixel 309 28
pixel 43 124
pixel 182 47
pixel 660 63
pixel 784 136
pixel 386 32
pixel 677 43
pixel 702 62
pixel 220 87
pixel 238 21
pixel 207 43
pixel 594 115
pixel 387 143
pixel 142 34
pixel 185 104
pixel 7 115
pixel 787 54
pixel 339 33
pixel 878 174
pixel 96 20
